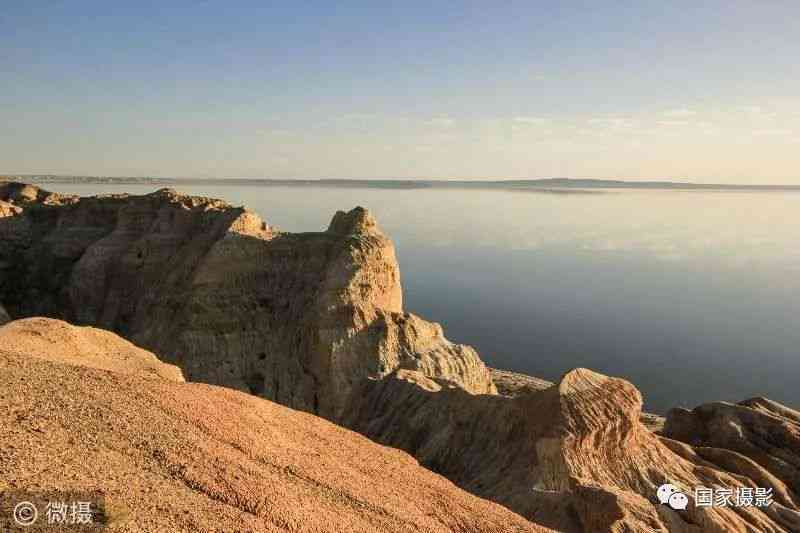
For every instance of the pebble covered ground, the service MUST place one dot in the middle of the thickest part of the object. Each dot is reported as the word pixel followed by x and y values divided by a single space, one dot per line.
pixel 173 457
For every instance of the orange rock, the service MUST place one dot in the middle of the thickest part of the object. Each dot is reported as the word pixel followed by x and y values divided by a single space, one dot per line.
pixel 171 456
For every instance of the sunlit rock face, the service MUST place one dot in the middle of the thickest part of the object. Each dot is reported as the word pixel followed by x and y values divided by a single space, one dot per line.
pixel 296 318
pixel 757 438
pixel 573 457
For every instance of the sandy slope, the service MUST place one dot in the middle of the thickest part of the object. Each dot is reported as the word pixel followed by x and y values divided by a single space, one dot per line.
pixel 191 457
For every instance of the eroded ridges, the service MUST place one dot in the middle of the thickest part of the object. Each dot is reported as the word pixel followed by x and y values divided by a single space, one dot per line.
pixel 757 438
pixel 574 457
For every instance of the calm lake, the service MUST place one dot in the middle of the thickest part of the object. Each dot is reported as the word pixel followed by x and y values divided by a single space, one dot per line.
pixel 692 296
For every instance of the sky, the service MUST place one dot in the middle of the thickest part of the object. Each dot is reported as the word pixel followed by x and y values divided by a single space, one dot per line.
pixel 413 89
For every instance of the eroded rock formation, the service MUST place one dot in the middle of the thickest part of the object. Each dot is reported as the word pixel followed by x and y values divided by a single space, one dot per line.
pixel 574 457
pixel 170 456
pixel 757 438
pixel 514 384
pixel 297 318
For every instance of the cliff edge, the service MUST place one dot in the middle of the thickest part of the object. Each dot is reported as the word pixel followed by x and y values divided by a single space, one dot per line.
pixel 296 318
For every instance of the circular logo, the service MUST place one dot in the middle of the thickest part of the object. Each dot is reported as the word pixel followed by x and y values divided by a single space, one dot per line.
pixel 25 514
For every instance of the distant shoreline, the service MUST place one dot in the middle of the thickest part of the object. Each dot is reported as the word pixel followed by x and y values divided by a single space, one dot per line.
pixel 554 185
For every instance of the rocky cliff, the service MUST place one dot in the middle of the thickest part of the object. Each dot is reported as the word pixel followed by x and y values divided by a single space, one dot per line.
pixel 169 456
pixel 297 318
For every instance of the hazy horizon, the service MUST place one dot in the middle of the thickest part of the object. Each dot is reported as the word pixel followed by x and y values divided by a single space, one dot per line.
pixel 520 183
pixel 631 91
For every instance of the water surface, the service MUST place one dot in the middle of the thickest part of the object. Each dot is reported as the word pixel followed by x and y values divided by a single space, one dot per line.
pixel 692 296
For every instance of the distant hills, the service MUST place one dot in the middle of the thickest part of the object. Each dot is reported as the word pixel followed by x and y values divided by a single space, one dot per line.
pixel 548 184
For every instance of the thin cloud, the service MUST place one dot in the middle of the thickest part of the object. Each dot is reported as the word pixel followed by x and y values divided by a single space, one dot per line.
pixel 679 113
pixel 773 132
pixel 531 120
pixel 278 132
pixel 442 122
pixel 757 112
pixel 350 117
pixel 752 109
pixel 673 123
pixel 612 122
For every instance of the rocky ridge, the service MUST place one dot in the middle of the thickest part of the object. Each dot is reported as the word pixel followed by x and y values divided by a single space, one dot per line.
pixel 296 318
pixel 573 457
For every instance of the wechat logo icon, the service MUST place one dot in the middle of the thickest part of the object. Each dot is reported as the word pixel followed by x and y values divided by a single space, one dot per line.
pixel 669 494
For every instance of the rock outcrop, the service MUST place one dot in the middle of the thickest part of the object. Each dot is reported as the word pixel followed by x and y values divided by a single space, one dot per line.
pixel 4 316
pixel 515 384
pixel 168 456
pixel 757 438
pixel 573 457
pixel 296 318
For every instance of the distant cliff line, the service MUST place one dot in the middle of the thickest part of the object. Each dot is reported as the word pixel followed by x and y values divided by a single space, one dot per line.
pixel 547 184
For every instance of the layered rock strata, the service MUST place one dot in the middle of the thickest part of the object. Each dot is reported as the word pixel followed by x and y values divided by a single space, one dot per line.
pixel 296 318
pixel 573 457
pixel 757 438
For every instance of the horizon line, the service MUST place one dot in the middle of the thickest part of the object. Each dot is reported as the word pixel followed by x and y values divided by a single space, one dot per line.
pixel 567 182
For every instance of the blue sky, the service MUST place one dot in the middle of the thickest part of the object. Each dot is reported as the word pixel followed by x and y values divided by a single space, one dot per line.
pixel 634 90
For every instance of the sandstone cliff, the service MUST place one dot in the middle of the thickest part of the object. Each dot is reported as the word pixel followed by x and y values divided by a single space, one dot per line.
pixel 173 457
pixel 297 318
